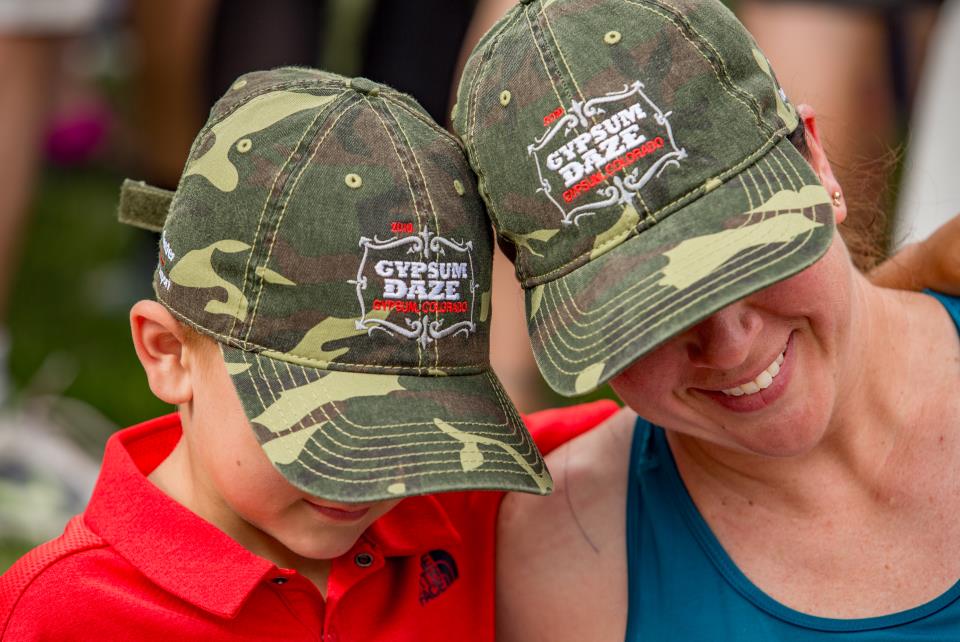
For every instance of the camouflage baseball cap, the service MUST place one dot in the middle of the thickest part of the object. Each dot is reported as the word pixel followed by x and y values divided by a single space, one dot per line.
pixel 634 160
pixel 328 234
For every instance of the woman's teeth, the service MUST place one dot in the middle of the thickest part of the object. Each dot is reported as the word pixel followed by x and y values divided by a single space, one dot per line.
pixel 763 380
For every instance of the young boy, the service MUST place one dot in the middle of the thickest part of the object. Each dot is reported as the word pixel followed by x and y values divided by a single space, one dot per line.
pixel 321 323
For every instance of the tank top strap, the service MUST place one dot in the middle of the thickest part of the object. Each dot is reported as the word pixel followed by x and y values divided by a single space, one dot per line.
pixel 951 303
pixel 664 556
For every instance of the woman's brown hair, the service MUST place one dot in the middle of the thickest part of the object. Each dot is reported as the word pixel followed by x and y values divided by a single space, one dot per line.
pixel 863 231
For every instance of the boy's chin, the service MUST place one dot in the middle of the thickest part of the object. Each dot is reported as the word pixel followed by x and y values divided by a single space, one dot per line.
pixel 319 545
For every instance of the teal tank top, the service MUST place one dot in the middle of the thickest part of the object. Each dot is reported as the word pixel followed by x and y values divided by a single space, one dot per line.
pixel 683 586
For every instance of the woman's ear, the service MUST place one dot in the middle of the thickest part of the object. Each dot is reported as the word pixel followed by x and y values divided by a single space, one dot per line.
pixel 159 341
pixel 821 165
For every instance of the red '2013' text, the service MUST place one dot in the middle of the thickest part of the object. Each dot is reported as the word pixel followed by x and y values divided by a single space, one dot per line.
pixel 553 116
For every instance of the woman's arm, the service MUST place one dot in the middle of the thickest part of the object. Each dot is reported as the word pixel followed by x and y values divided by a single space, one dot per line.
pixel 932 263
pixel 561 559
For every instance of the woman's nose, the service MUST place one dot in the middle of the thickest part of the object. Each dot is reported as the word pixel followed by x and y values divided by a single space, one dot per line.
pixel 724 340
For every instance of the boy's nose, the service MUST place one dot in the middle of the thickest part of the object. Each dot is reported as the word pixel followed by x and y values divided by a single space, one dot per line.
pixel 723 341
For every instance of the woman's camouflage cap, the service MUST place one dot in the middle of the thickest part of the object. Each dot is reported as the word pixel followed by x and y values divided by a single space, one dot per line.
pixel 634 160
pixel 327 233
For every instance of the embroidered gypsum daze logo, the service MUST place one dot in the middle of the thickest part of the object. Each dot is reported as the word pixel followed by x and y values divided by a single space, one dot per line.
pixel 602 152
pixel 426 278
pixel 438 570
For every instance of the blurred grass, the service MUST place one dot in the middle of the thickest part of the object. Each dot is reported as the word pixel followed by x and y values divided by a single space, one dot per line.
pixel 79 273
pixel 10 551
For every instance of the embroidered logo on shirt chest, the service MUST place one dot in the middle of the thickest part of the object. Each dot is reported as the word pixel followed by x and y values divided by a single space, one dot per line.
pixel 438 570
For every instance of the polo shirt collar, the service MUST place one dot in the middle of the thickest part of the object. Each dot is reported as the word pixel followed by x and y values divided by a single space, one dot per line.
pixel 415 525
pixel 172 546
pixel 193 559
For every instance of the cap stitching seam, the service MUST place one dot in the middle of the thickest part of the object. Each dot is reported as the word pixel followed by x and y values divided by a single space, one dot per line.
pixel 623 344
pixel 510 418
pixel 354 424
pixel 249 346
pixel 542 278
pixel 443 134
pixel 273 395
pixel 519 428
pixel 263 211
pixel 505 410
pixel 302 170
pixel 473 108
pixel 253 380
pixel 299 84
pixel 522 272
pixel 783 171
pixel 418 433
pixel 593 119
pixel 769 186
pixel 410 190
pixel 726 82
pixel 517 266
pixel 563 59
pixel 630 303
pixel 436 221
pixel 627 293
pixel 458 473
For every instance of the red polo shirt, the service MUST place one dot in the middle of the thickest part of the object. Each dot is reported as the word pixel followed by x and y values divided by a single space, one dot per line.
pixel 139 566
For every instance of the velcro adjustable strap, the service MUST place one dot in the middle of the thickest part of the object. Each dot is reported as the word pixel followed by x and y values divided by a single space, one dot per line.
pixel 143 206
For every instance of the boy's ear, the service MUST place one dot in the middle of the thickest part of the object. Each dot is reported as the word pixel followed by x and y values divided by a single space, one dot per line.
pixel 820 163
pixel 159 341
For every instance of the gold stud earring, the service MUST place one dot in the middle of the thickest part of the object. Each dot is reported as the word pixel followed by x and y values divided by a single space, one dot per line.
pixel 836 199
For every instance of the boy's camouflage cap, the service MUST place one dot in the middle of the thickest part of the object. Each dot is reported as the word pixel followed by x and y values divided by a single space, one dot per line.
pixel 633 158
pixel 328 234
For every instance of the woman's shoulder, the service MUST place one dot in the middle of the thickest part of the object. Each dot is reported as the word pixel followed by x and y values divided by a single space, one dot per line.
pixel 569 549
pixel 588 465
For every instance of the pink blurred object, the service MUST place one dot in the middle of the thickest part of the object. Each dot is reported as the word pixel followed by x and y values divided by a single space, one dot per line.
pixel 78 133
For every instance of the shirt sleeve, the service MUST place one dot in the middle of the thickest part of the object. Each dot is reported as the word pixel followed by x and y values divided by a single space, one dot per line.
pixel 555 427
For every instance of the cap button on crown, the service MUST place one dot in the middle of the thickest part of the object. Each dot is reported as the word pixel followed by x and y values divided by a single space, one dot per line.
pixel 364 86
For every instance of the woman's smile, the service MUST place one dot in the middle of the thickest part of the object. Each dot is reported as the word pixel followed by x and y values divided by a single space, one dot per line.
pixel 757 391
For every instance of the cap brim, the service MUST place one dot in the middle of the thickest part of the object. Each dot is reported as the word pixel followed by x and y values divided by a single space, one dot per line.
pixel 358 437
pixel 765 224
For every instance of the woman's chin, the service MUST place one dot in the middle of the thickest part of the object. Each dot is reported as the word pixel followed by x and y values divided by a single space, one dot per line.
pixel 787 435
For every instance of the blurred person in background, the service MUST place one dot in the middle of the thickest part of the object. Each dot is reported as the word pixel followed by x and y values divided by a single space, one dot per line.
pixel 930 192
pixel 31 36
pixel 39 468
pixel 172 40
pixel 870 52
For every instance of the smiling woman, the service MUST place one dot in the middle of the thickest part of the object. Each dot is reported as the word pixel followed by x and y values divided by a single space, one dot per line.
pixel 786 465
